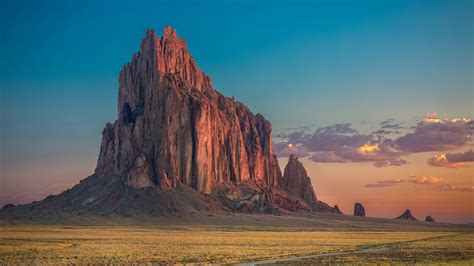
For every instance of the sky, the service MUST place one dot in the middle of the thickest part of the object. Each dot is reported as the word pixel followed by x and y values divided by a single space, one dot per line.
pixel 329 75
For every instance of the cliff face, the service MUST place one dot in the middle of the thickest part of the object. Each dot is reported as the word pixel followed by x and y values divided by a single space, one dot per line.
pixel 173 127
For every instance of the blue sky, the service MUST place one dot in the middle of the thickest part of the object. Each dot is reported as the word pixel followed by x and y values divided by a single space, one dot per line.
pixel 296 62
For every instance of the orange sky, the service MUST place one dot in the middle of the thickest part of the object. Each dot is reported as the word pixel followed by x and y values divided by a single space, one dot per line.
pixel 334 183
pixel 343 184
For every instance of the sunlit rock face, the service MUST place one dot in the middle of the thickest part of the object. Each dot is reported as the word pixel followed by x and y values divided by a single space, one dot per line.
pixel 173 127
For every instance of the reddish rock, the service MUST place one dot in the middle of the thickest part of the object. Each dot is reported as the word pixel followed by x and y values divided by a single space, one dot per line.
pixel 407 216
pixel 173 128
pixel 359 209
pixel 337 210
pixel 296 181
pixel 429 219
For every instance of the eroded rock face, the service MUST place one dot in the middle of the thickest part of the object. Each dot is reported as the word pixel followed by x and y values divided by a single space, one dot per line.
pixel 429 219
pixel 407 216
pixel 295 180
pixel 337 210
pixel 359 210
pixel 174 127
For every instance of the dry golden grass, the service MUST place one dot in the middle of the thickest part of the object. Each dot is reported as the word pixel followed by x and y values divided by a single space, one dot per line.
pixel 55 244
pixel 457 248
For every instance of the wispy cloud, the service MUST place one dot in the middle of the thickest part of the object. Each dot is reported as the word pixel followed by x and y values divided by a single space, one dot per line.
pixel 430 182
pixel 427 180
pixel 287 149
pixel 398 162
pixel 385 183
pixel 440 184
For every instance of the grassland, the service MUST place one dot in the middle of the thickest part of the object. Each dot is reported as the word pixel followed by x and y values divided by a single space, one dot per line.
pixel 185 244
pixel 446 250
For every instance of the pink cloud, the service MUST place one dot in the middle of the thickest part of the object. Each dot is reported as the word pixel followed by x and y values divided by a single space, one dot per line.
pixel 385 183
pixel 433 134
pixel 453 160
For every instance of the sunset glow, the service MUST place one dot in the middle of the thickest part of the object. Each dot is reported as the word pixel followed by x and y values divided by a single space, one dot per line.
pixel 369 148
pixel 374 98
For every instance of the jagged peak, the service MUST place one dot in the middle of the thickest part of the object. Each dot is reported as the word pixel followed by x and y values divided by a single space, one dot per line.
pixel 169 32
pixel 169 55
pixel 295 166
pixel 406 215
pixel 296 180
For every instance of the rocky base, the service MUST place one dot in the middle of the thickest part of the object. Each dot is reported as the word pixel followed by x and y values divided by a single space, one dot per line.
pixel 110 197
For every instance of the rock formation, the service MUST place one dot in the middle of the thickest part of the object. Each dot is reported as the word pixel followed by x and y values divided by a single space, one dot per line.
pixel 173 127
pixel 429 219
pixel 337 210
pixel 9 205
pixel 296 181
pixel 407 216
pixel 359 210
pixel 179 147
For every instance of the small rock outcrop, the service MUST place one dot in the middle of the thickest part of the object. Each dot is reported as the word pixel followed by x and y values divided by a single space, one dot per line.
pixel 429 219
pixel 407 216
pixel 359 210
pixel 9 205
pixel 337 210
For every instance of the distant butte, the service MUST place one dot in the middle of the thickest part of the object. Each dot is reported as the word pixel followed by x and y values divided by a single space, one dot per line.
pixel 407 216
pixel 359 209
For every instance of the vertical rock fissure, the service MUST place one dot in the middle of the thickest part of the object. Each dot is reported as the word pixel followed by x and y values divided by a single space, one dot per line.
pixel 174 127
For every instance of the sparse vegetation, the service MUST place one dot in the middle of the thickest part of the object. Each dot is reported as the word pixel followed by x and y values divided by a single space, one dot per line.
pixel 75 244
pixel 448 250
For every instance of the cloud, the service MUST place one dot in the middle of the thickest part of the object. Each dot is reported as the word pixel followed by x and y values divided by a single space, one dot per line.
pixel 341 143
pixel 398 162
pixel 345 128
pixel 386 121
pixel 392 126
pixel 285 150
pixel 385 183
pixel 427 180
pixel 440 184
pixel 337 143
pixel 453 160
pixel 433 134
pixel 306 127
pixel 432 115
pixel 455 188
pixel 327 157
pixel 431 182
